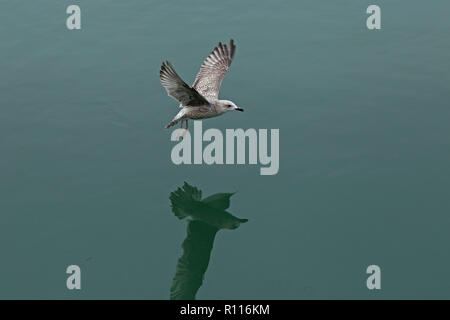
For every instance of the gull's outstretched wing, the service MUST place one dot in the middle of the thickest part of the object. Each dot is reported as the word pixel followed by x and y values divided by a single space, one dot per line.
pixel 178 89
pixel 192 265
pixel 213 70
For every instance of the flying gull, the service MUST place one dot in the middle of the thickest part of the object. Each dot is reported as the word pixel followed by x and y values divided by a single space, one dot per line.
pixel 200 101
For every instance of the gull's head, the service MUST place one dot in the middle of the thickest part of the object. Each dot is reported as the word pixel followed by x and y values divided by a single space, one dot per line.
pixel 227 105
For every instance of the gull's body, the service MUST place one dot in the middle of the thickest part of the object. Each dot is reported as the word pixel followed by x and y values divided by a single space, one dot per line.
pixel 201 100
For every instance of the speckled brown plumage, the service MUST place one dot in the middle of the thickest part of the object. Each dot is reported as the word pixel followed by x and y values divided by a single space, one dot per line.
pixel 201 100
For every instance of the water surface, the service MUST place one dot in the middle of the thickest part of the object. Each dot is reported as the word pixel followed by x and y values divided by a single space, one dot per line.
pixel 364 148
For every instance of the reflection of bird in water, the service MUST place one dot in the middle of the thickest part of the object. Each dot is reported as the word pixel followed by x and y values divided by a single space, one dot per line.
pixel 208 216
pixel 202 99
pixel 211 210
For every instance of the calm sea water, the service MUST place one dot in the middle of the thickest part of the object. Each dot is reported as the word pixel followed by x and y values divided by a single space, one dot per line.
pixel 364 148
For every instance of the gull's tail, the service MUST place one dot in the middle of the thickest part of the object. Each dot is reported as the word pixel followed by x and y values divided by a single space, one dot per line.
pixel 172 123
pixel 182 198
pixel 176 119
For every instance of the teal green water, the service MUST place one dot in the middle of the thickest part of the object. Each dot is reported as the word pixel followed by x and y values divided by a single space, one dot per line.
pixel 364 148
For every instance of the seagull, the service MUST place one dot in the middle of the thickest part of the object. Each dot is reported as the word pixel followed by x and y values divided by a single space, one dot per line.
pixel 200 101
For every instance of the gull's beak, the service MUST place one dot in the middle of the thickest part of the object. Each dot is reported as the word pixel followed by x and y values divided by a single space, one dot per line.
pixel 239 109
